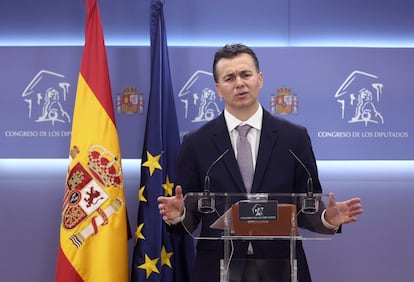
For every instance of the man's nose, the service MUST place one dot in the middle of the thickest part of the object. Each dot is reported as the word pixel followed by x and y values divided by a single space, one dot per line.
pixel 239 81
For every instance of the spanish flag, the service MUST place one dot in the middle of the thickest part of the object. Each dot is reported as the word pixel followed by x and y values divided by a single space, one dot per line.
pixel 93 233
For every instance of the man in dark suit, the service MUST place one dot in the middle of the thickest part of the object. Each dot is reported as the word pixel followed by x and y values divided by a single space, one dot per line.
pixel 238 82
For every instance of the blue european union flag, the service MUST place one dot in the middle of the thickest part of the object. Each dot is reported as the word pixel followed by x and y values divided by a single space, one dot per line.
pixel 159 255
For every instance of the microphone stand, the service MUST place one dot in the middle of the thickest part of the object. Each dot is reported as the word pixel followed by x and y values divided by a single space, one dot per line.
pixel 207 203
pixel 310 205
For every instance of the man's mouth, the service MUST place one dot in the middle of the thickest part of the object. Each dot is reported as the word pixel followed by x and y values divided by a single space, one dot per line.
pixel 241 94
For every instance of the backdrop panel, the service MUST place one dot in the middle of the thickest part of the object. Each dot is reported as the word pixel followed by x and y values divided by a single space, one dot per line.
pixel 355 102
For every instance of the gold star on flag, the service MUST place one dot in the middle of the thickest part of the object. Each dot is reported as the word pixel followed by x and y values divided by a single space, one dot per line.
pixel 141 197
pixel 165 257
pixel 168 187
pixel 152 162
pixel 138 233
pixel 150 266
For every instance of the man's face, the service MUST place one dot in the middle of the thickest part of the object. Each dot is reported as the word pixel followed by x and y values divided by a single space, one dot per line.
pixel 239 84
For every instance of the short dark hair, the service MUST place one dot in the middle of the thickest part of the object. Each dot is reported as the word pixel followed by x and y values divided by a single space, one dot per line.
pixel 229 51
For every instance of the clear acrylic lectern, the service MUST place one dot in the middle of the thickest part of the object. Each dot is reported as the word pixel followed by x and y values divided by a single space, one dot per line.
pixel 258 219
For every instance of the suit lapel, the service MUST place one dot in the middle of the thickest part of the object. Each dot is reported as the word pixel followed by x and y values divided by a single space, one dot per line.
pixel 268 140
pixel 222 140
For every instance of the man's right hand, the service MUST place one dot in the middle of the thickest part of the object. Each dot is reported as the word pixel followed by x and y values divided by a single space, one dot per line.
pixel 171 208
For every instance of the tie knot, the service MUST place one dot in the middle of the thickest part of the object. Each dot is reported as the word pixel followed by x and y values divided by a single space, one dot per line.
pixel 243 129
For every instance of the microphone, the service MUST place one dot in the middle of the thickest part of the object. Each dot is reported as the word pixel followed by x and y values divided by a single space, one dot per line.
pixel 309 204
pixel 206 203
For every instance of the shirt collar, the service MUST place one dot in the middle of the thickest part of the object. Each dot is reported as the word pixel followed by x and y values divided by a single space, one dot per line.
pixel 254 121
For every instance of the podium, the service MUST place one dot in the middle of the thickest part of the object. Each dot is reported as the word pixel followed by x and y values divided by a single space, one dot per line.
pixel 260 223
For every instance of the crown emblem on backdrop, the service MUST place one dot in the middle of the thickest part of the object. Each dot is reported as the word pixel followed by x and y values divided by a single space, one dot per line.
pixel 130 90
pixel 284 103
pixel 131 101
pixel 105 166
pixel 284 91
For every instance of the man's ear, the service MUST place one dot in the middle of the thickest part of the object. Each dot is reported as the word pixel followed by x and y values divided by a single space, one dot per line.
pixel 261 79
pixel 218 90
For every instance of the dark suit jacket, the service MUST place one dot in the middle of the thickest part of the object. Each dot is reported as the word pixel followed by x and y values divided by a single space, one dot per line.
pixel 277 171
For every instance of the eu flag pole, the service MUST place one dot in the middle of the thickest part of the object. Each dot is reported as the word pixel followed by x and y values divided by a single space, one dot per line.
pixel 159 255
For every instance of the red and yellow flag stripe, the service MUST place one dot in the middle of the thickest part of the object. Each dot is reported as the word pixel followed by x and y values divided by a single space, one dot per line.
pixel 93 233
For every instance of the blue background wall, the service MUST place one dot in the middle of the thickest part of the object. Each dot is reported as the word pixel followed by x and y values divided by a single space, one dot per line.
pixel 377 248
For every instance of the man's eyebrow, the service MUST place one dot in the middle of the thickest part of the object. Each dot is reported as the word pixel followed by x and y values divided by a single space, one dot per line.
pixel 234 72
pixel 228 74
